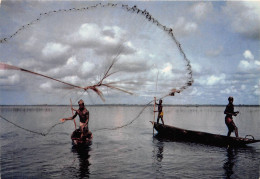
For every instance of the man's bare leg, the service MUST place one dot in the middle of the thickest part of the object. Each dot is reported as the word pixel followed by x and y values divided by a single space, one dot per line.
pixel 236 131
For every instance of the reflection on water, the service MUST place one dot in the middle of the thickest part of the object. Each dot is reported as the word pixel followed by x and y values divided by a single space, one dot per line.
pixel 157 156
pixel 158 150
pixel 241 163
pixel 230 162
pixel 83 158
pixel 203 160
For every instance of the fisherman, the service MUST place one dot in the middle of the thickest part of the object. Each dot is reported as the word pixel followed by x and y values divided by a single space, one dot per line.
pixel 83 117
pixel 160 111
pixel 229 111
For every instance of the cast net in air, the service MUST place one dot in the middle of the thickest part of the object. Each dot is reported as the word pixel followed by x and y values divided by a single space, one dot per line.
pixel 104 53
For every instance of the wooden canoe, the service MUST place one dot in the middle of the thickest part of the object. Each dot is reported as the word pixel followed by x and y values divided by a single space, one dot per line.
pixel 78 141
pixel 178 134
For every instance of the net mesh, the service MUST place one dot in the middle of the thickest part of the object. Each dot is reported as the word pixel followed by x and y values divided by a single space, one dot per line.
pixel 104 53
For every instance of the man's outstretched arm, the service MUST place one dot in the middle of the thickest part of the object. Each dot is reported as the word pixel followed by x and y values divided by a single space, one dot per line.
pixel 70 118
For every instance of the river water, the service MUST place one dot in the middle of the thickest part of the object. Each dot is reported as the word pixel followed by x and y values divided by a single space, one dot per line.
pixel 129 152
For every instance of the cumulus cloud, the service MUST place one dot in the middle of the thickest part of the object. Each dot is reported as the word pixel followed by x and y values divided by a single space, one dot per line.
pixel 248 55
pixel 188 23
pixel 73 66
pixel 53 50
pixel 201 9
pixel 87 68
pixel 46 86
pixel 196 92
pixel 103 40
pixel 167 68
pixel 244 17
pixel 76 47
pixel 249 64
pixel 133 66
pixel 230 90
pixel 212 80
pixel 196 67
pixel 88 31
pixel 183 27
pixel 6 78
pixel 28 63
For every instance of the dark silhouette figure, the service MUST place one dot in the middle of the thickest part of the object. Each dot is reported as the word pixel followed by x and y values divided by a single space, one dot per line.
pixel 229 111
pixel 160 111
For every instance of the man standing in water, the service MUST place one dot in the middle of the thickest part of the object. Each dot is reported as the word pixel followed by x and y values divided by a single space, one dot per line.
pixel 83 117
pixel 160 111
pixel 229 111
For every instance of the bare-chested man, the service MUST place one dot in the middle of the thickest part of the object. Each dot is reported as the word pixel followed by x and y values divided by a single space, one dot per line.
pixel 83 117
pixel 160 111
pixel 229 111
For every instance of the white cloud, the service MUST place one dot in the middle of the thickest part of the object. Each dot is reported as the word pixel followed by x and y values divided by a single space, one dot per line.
pixel 13 78
pixel 28 63
pixel 212 80
pixel 87 67
pixel 113 31
pixel 201 9
pixel 46 86
pixel 229 90
pixel 53 49
pixel 182 27
pixel 72 79
pixel 70 67
pixel 102 40
pixel 257 63
pixel 195 92
pixel 249 64
pixel 244 17
pixel 167 68
pixel 196 67
pixel 89 31
pixel 72 61
pixel 187 24
pixel 8 79
pixel 94 39
pixel 244 65
pixel 248 55
pixel 138 64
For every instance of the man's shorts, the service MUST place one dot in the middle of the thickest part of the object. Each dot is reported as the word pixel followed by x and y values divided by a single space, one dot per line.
pixel 84 130
pixel 231 125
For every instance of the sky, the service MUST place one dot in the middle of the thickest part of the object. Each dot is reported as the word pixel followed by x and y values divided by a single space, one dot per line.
pixel 220 38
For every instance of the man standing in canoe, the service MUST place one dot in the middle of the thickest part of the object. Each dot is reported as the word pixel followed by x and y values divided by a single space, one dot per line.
pixel 229 111
pixel 83 117
pixel 160 111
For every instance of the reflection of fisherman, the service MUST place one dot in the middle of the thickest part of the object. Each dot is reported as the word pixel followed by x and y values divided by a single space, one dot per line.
pixel 83 117
pixel 229 111
pixel 160 111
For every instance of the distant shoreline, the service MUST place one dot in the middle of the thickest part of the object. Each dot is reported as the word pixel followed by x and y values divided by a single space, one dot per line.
pixel 133 105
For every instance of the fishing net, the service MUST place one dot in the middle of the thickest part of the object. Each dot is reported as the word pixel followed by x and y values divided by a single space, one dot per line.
pixel 113 53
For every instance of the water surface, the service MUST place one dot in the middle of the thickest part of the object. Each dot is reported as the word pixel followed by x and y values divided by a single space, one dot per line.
pixel 129 152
